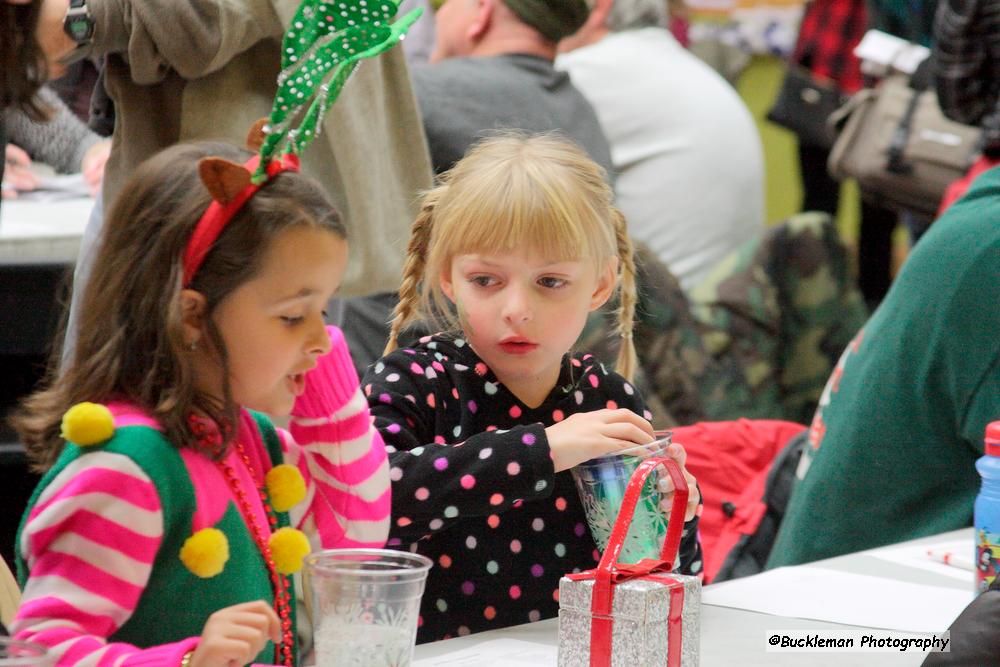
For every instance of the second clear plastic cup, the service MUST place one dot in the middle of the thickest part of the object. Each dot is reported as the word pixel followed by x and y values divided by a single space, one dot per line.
pixel 364 605
pixel 601 483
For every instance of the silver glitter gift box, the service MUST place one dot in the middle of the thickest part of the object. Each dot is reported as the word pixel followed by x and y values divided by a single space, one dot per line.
pixel 641 615
pixel 633 615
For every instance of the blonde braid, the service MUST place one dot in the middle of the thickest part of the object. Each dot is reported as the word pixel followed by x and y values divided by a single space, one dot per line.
pixel 413 270
pixel 627 297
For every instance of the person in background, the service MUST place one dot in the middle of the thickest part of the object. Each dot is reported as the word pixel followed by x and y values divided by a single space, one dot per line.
pixel 483 421
pixel 492 69
pixel 23 63
pixel 967 77
pixel 902 419
pixel 63 142
pixel 687 155
pixel 196 69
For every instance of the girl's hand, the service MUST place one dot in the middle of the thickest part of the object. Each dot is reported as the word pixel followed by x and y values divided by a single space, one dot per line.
pixel 233 636
pixel 666 484
pixel 586 435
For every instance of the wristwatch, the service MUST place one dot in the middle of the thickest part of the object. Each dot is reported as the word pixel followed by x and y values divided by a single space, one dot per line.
pixel 79 24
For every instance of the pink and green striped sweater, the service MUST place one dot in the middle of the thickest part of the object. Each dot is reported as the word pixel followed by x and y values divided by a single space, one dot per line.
pixel 102 581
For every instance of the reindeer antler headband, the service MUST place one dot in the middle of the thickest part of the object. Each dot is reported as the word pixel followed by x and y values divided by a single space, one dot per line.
pixel 319 52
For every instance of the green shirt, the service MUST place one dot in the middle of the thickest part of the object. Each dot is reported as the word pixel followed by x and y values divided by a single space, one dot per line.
pixel 901 422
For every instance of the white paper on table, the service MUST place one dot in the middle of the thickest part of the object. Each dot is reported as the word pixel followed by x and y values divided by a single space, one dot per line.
pixel 496 653
pixel 27 219
pixel 841 597
pixel 921 557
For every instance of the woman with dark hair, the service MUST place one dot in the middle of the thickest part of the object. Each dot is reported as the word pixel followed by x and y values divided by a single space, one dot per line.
pixel 22 60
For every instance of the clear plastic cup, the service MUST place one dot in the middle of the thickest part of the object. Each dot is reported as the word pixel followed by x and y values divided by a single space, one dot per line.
pixel 15 653
pixel 601 483
pixel 364 605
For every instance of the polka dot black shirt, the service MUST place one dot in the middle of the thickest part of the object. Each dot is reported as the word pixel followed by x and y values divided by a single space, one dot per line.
pixel 473 485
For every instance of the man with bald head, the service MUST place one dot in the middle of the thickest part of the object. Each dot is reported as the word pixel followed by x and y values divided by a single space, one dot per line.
pixel 492 69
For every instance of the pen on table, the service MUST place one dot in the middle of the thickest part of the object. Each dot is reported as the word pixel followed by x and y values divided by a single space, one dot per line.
pixel 953 558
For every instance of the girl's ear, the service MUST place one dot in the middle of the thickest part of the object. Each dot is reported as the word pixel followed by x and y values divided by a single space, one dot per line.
pixel 193 307
pixel 444 281
pixel 607 280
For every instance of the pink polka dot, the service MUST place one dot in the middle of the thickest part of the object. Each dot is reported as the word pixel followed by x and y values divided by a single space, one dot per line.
pixel 415 368
pixel 368 390
pixel 468 587
pixel 468 481
pixel 393 428
pixel 403 521
pixel 537 570
pixel 430 400
pixel 496 499
pixel 444 561
pixel 454 392
pixel 481 369
pixel 528 438
pixel 611 405
pixel 437 366
pixel 561 504
pixel 384 398
pixel 439 439
pixel 579 529
pixel 596 555
pixel 493 520
pixel 558 416
pixel 473 407
pixel 490 613
pixel 513 468
pixel 515 411
pixel 515 592
pixel 491 427
pixel 575 362
pixel 422 493
pixel 555 595
pixel 517 503
pixel 594 381
pixel 441 463
pixel 515 546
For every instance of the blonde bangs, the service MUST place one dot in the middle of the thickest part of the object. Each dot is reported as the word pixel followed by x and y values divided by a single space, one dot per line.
pixel 536 206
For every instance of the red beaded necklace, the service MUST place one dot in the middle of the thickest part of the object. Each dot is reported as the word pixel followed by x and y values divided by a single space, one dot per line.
pixel 207 435
pixel 279 583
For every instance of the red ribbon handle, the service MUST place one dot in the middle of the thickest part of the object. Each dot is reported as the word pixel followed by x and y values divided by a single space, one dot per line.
pixel 605 575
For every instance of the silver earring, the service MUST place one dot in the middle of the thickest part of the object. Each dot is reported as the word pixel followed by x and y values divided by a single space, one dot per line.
pixel 193 345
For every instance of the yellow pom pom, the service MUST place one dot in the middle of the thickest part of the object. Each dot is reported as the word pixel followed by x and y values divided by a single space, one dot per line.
pixel 205 553
pixel 285 487
pixel 288 547
pixel 87 424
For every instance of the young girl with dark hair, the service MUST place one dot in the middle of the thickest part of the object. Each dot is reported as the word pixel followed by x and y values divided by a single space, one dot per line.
pixel 167 523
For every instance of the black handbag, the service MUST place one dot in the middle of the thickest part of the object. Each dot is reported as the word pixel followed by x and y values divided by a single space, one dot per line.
pixel 803 105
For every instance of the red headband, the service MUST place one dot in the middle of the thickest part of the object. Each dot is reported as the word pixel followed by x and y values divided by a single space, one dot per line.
pixel 218 214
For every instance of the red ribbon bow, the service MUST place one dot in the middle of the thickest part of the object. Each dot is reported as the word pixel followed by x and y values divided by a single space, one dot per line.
pixel 609 572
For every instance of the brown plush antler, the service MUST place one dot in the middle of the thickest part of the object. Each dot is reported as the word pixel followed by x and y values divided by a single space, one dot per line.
pixel 224 179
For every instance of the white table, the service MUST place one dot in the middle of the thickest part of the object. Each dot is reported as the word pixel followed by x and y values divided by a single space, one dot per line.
pixel 42 232
pixel 739 637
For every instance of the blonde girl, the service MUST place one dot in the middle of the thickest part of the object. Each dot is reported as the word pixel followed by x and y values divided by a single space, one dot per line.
pixel 510 253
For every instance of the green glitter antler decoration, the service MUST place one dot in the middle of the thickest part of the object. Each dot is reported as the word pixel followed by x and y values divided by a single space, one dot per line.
pixel 321 49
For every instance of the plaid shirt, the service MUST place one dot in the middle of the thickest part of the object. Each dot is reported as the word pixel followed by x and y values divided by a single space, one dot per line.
pixel 967 48
pixel 830 30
